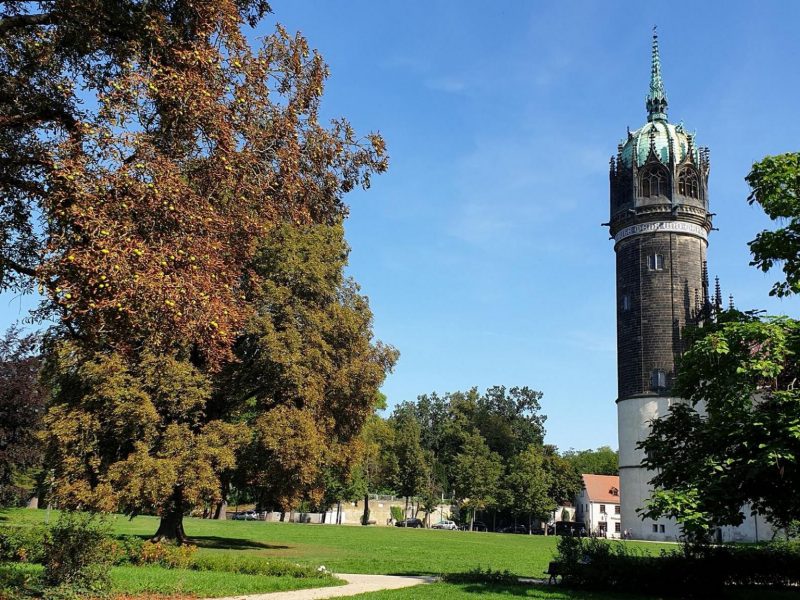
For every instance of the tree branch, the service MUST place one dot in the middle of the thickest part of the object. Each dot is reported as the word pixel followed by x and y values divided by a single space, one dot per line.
pixel 15 266
pixel 25 21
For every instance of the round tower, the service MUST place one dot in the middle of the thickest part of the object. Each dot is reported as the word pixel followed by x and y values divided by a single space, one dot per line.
pixel 660 224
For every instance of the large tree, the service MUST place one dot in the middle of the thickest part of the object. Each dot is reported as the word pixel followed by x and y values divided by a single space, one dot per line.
pixel 146 150
pixel 735 443
pixel 477 476
pixel 412 470
pixel 527 485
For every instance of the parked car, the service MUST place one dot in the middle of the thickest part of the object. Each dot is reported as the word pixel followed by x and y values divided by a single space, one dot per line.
pixel 245 515
pixel 410 523
pixel 572 528
pixel 445 524
pixel 514 529
pixel 476 526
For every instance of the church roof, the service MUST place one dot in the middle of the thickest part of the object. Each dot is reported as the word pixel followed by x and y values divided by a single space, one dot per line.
pixel 602 488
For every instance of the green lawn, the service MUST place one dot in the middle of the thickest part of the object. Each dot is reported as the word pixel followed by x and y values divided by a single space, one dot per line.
pixel 472 591
pixel 353 549
pixel 206 584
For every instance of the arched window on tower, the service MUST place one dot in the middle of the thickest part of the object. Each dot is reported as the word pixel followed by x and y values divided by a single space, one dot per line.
pixel 654 182
pixel 688 183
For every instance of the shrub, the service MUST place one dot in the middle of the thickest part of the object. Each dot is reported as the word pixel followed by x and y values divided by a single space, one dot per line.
pixel 77 555
pixel 167 555
pixel 125 549
pixel 700 571
pixel 22 544
pixel 18 581
pixel 478 575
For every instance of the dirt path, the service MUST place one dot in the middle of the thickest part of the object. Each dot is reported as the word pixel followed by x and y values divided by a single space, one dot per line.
pixel 356 584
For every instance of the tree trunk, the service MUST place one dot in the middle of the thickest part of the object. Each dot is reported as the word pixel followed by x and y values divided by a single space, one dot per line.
pixel 472 520
pixel 365 518
pixel 171 528
pixel 221 512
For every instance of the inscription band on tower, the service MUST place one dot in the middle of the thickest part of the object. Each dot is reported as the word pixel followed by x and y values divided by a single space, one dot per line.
pixel 661 226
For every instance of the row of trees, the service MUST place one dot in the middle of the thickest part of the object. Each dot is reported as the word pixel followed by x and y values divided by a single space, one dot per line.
pixel 485 451
pixel 172 195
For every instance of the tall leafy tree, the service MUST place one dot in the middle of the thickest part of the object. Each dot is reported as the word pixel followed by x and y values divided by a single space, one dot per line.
pixel 22 403
pixel 527 484
pixel 146 151
pixel 411 467
pixel 736 441
pixel 377 463
pixel 477 475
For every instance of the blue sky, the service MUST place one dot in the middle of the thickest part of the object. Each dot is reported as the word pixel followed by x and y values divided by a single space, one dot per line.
pixel 481 249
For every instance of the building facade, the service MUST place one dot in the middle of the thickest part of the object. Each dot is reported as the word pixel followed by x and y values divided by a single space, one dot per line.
pixel 597 505
pixel 660 222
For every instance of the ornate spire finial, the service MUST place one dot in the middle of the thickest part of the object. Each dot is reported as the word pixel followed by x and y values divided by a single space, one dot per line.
pixel 657 97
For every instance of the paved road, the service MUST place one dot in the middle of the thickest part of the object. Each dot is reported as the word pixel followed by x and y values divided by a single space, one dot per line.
pixel 356 584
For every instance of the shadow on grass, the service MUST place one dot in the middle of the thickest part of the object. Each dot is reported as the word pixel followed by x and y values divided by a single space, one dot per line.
pixel 222 543
pixel 226 543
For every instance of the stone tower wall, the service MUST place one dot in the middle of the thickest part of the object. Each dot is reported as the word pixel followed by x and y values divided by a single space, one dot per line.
pixel 653 306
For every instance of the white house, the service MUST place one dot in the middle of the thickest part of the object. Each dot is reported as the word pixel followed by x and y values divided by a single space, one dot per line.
pixel 598 505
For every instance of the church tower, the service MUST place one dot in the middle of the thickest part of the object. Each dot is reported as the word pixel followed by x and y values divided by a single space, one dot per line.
pixel 660 224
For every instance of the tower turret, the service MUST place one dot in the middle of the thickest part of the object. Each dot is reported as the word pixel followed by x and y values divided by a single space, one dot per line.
pixel 660 224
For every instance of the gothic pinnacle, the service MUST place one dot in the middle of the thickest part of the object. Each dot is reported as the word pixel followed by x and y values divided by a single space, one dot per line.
pixel 657 97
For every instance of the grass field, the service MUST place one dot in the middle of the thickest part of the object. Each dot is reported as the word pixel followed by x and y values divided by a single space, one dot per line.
pixel 352 549
pixel 472 591
pixel 205 584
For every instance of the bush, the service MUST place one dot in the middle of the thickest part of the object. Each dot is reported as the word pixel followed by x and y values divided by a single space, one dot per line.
pixel 478 575
pixel 125 550
pixel 77 558
pixel 18 581
pixel 22 544
pixel 700 571
pixel 167 555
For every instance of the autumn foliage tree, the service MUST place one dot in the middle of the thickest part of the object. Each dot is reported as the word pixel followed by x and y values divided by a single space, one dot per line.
pixel 308 372
pixel 145 150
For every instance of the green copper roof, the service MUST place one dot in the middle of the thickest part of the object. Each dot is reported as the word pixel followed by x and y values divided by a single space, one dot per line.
pixel 657 97
pixel 661 136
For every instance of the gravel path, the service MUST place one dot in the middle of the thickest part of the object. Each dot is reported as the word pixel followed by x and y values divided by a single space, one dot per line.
pixel 356 584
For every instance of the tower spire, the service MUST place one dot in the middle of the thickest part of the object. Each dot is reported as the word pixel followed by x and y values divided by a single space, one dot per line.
pixel 657 97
